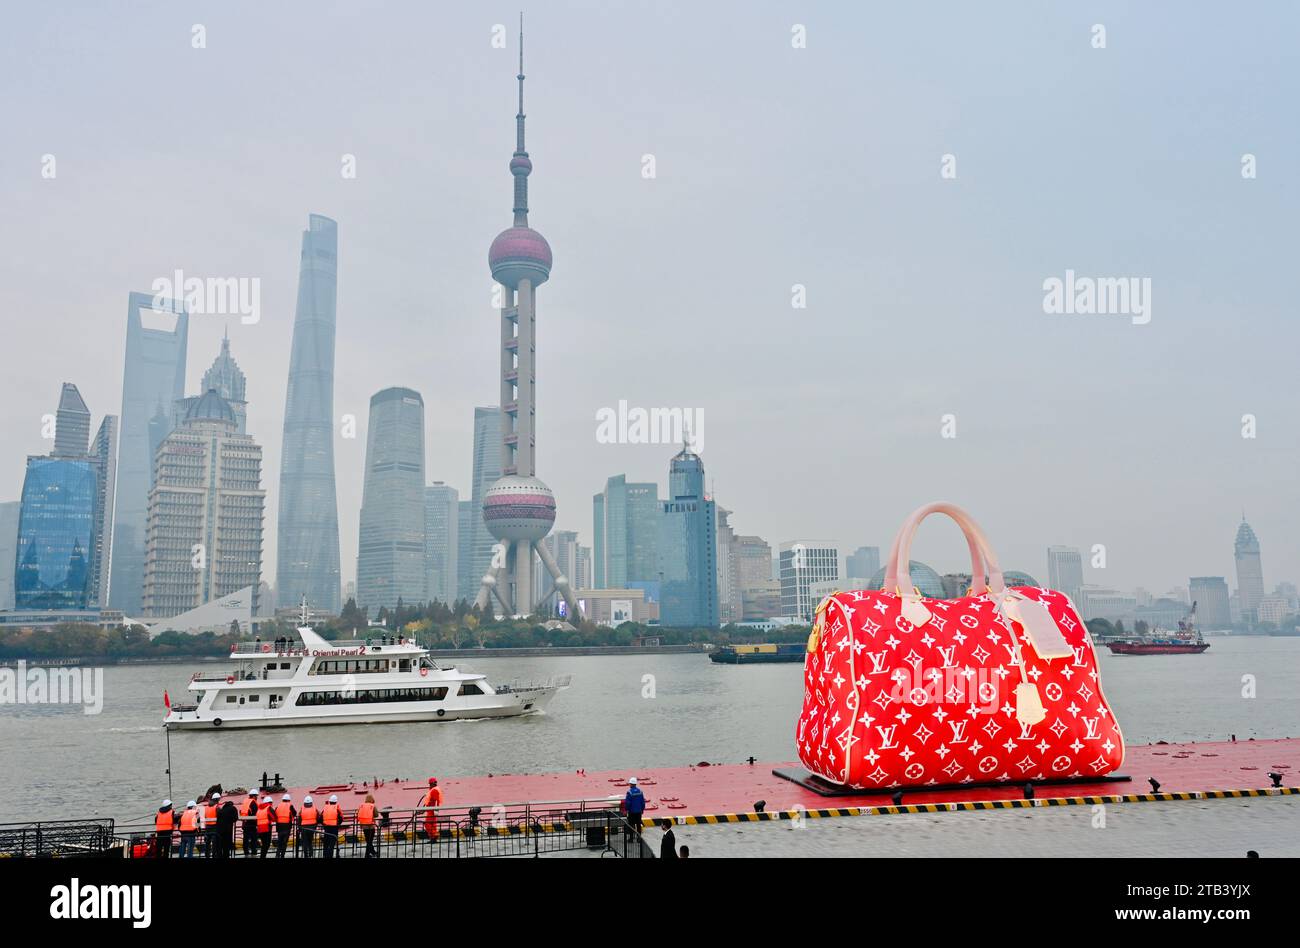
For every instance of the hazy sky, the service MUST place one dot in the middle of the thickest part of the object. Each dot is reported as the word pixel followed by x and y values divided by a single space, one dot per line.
pixel 775 166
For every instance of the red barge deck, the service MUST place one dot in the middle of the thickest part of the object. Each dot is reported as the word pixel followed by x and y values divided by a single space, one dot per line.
pixel 720 793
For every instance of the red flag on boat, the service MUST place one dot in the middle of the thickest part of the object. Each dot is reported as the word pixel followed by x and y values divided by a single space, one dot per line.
pixel 167 702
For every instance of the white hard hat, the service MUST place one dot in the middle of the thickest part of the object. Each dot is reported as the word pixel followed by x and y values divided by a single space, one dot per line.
pixel 306 799
pixel 166 803
pixel 216 797
pixel 631 781
pixel 286 797
pixel 266 799
pixel 334 798
pixel 190 805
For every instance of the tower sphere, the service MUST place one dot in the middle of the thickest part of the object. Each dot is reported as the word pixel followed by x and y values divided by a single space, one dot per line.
pixel 519 508
pixel 520 253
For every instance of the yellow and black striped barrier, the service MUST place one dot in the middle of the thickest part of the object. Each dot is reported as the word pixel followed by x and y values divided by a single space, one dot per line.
pixel 966 806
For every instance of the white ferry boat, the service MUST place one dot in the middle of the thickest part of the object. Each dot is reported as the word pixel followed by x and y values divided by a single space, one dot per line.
pixel 316 681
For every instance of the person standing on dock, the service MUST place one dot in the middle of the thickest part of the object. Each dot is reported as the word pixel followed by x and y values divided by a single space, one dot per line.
pixel 431 799
pixel 634 804
pixel 366 820
pixel 209 823
pixel 248 813
pixel 307 821
pixel 227 817
pixel 163 825
pixel 284 817
pixel 330 817
pixel 668 844
pixel 265 815
pixel 189 829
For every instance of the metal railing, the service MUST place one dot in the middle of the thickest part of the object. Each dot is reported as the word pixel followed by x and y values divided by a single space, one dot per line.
pixel 486 831
pixel 58 838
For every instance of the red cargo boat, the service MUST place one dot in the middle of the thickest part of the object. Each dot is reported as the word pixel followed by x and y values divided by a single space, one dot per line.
pixel 1186 641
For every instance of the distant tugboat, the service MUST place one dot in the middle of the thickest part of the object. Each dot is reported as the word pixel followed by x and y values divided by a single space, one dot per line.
pixel 1186 641
pixel 758 654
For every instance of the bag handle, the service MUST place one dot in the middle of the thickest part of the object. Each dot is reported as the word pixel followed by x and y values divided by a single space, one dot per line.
pixel 898 578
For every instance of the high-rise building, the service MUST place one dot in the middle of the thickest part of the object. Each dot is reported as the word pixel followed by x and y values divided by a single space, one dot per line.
pixel 1065 571
pixel 307 536
pixel 103 451
pixel 626 525
pixel 582 576
pixel 730 605
pixel 1250 574
pixel 441 541
pixel 391 549
pixel 72 424
pixel 9 511
pixel 519 509
pixel 688 547
pixel 226 379
pixel 475 542
pixel 864 561
pixel 157 331
pixel 1210 593
pixel 563 547
pixel 753 556
pixel 62 564
pixel 204 540
pixel 56 534
pixel 804 562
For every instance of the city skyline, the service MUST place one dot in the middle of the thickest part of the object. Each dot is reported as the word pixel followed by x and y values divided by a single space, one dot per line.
pixel 1130 402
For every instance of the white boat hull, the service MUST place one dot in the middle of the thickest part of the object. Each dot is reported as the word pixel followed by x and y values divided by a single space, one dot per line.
pixel 512 704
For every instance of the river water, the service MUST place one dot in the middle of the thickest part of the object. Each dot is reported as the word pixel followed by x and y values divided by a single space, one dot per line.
pixel 58 762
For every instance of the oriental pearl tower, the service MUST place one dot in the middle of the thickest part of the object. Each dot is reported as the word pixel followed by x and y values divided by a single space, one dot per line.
pixel 519 510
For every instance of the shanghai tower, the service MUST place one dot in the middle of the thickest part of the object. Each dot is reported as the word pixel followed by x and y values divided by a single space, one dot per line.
pixel 307 559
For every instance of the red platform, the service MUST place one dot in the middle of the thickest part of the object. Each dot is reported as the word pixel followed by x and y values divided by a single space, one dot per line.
pixel 727 792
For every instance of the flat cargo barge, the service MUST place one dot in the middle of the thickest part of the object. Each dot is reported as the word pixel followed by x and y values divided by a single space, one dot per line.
pixel 713 793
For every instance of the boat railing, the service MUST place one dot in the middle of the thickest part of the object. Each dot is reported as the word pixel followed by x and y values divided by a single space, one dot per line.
pixel 491 829
pixel 518 684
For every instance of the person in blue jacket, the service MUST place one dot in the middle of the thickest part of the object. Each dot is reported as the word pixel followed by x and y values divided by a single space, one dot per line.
pixel 634 804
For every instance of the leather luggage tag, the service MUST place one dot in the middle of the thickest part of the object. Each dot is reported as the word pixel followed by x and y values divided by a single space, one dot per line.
pixel 1037 621
pixel 914 611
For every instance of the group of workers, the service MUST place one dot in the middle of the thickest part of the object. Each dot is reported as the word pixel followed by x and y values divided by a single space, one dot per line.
pixel 209 828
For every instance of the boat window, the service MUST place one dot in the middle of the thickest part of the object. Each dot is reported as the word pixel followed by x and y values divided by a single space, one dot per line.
pixel 254 697
pixel 470 690
pixel 371 696
pixel 284 666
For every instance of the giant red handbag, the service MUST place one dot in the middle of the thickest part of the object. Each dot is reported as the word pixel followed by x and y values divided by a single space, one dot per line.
pixel 901 690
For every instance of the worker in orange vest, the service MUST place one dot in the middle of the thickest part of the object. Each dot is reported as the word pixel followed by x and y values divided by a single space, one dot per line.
pixel 284 817
pixel 248 819
pixel 366 820
pixel 163 824
pixel 307 821
pixel 331 817
pixel 189 829
pixel 209 822
pixel 432 799
pixel 265 815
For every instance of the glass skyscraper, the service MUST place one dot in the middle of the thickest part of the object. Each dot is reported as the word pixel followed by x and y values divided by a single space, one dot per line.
pixel 625 521
pixel 475 554
pixel 391 550
pixel 56 531
pixel 688 554
pixel 441 541
pixel 307 563
pixel 103 451
pixel 153 379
